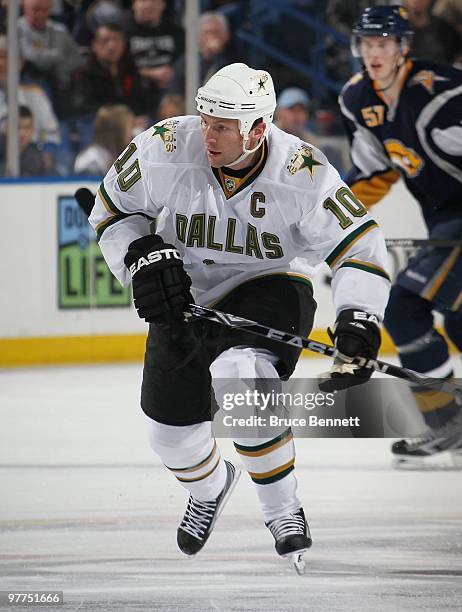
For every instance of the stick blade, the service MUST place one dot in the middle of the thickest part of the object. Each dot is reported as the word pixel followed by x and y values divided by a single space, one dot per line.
pixel 85 199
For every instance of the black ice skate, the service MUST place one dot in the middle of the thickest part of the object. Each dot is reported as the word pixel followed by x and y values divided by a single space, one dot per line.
pixel 292 537
pixel 437 448
pixel 200 516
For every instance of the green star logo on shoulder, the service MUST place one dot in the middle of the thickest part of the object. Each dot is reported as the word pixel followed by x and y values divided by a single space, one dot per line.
pixel 167 133
pixel 309 162
pixel 159 130
pixel 303 158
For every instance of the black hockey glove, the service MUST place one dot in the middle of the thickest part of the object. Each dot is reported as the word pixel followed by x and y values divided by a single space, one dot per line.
pixel 160 283
pixel 356 334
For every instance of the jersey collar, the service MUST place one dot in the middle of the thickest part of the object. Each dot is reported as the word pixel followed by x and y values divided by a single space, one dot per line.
pixel 233 181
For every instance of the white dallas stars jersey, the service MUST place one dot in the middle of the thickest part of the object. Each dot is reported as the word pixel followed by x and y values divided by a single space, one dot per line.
pixel 287 215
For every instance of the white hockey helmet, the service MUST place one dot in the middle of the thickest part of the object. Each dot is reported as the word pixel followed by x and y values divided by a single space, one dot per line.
pixel 239 92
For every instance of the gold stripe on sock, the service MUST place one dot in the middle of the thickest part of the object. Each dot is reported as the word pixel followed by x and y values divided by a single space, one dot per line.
pixel 200 465
pixel 203 475
pixel 281 468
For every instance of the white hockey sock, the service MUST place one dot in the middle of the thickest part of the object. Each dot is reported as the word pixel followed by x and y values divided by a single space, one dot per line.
pixel 270 464
pixel 269 461
pixel 192 455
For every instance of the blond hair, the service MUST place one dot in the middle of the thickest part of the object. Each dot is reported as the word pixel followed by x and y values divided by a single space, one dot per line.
pixel 110 127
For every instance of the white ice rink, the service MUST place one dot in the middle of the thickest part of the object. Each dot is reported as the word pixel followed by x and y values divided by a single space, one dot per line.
pixel 87 509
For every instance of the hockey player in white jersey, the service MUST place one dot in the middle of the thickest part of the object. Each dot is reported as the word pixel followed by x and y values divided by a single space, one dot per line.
pixel 248 212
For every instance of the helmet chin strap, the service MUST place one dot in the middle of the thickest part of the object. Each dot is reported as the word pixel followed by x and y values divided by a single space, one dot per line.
pixel 246 152
pixel 395 76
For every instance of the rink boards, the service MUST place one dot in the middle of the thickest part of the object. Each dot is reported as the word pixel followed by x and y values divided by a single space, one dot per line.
pixel 61 304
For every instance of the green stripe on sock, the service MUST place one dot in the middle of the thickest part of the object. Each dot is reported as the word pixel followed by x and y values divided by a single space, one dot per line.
pixel 275 478
pixel 248 449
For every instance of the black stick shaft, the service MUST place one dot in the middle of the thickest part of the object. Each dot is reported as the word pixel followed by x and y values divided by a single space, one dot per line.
pixel 322 349
pixel 85 199
pixel 421 242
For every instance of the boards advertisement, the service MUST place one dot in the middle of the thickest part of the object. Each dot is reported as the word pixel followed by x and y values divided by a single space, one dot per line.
pixel 84 280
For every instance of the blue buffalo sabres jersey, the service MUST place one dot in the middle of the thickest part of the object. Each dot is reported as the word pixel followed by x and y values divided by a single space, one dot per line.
pixel 418 139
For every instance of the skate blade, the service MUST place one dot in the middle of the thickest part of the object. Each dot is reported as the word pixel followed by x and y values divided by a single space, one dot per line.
pixel 297 561
pixel 446 460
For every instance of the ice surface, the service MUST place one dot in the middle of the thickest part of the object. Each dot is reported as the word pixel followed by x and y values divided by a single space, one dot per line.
pixel 86 508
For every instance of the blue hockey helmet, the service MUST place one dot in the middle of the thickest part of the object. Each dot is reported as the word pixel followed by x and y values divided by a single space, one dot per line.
pixel 382 20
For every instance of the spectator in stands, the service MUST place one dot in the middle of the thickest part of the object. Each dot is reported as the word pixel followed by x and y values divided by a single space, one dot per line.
pixel 32 161
pixel 215 48
pixel 293 114
pixel 113 130
pixel 434 38
pixel 45 124
pixel 154 41
pixel 93 13
pixel 50 53
pixel 450 11
pixel 343 14
pixel 110 77
pixel 171 105
pixel 3 15
pixel 236 11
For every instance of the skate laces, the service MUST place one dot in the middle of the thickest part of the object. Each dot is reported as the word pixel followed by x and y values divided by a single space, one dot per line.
pixel 198 517
pixel 293 524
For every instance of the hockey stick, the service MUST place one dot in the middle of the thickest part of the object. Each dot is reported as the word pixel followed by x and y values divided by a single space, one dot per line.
pixel 253 327
pixel 410 243
pixel 85 199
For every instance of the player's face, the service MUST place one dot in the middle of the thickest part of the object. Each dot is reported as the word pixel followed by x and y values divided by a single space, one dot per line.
pixel 380 56
pixel 222 140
